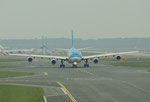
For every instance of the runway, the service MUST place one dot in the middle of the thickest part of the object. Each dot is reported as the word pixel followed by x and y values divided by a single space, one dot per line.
pixel 99 83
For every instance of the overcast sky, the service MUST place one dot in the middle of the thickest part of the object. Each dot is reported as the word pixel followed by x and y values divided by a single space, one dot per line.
pixel 89 19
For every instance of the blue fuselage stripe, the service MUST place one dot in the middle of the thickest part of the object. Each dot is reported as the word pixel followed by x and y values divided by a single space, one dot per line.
pixel 75 56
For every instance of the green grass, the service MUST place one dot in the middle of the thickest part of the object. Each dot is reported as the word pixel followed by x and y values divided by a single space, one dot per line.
pixel 10 66
pixel 12 60
pixel 9 62
pixel 14 93
pixel 134 62
pixel 6 74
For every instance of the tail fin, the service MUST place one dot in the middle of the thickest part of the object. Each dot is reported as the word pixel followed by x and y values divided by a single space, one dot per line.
pixel 72 40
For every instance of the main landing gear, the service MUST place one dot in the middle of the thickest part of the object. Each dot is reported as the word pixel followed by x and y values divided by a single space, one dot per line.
pixel 74 66
pixel 62 65
pixel 86 63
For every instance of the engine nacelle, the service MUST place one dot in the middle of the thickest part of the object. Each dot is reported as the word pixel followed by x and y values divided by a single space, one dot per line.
pixel 95 60
pixel 30 59
pixel 53 61
pixel 118 58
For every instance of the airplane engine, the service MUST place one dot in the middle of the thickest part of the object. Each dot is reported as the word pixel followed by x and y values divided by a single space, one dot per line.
pixel 95 60
pixel 118 58
pixel 30 59
pixel 53 61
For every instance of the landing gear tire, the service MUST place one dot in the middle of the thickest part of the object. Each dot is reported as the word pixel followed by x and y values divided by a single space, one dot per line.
pixel 86 65
pixel 62 66
pixel 74 66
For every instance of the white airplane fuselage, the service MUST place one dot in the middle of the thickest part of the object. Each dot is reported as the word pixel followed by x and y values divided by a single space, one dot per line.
pixel 75 56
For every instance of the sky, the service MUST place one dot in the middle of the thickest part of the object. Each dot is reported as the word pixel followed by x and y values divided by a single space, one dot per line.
pixel 90 19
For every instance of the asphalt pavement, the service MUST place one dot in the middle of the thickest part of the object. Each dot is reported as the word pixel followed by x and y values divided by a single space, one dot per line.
pixel 100 83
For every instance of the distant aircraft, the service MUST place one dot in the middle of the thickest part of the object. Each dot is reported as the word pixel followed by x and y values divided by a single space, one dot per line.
pixel 6 50
pixel 2 48
pixel 74 56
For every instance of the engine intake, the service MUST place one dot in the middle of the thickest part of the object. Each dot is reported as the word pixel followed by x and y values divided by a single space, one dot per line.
pixel 30 59
pixel 53 61
pixel 118 58
pixel 95 60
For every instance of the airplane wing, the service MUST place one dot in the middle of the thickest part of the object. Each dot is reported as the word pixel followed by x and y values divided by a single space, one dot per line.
pixel 108 54
pixel 41 56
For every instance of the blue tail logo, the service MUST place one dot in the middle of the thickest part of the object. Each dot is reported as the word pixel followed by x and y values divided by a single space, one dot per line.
pixel 72 40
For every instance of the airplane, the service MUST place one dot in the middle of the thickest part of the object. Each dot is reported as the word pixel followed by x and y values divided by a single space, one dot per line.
pixel 6 50
pixel 74 56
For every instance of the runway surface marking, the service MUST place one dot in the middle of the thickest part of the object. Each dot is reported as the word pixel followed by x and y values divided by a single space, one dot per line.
pixel 33 85
pixel 45 73
pixel 45 100
pixel 68 93
pixel 31 66
pixel 125 82
pixel 53 95
pixel 85 71
pixel 63 90
pixel 100 78
pixel 42 81
pixel 35 75
pixel 128 83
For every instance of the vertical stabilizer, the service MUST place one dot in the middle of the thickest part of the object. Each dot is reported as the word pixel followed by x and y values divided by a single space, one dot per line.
pixel 72 40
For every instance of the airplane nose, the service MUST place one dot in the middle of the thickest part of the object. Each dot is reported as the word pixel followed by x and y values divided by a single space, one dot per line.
pixel 76 59
pixel 75 63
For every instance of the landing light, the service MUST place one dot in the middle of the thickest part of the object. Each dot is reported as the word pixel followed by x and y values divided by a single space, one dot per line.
pixel 75 63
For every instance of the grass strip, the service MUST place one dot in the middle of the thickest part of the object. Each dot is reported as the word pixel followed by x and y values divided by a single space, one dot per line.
pixel 15 93
pixel 10 66
pixel 12 60
pixel 6 74
pixel 132 64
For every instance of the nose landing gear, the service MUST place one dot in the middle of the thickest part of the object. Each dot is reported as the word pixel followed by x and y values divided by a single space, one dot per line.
pixel 74 66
